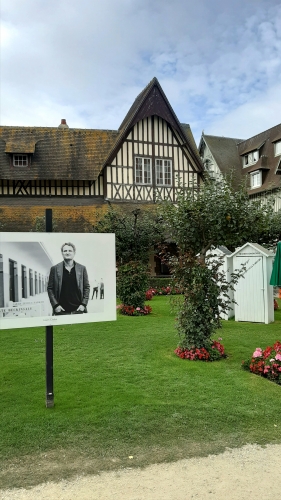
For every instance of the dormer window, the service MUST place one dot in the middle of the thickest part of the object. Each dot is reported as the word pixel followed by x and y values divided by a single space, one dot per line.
pixel 251 158
pixel 256 179
pixel 277 148
pixel 20 160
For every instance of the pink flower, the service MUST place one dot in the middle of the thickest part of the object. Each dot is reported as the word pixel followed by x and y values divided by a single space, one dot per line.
pixel 278 357
pixel 257 353
pixel 137 308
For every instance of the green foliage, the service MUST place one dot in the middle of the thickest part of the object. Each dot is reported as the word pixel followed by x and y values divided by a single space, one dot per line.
pixel 116 383
pixel 40 225
pixel 205 298
pixel 132 284
pixel 216 215
pixel 136 233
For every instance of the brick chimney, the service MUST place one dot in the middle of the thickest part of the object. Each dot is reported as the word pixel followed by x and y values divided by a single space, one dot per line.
pixel 63 123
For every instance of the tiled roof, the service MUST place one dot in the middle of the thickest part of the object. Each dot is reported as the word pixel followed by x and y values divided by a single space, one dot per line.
pixel 228 153
pixel 59 153
pixel 225 153
pixel 187 130
pixel 267 160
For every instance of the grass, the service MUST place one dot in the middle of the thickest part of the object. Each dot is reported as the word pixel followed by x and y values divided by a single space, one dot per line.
pixel 120 391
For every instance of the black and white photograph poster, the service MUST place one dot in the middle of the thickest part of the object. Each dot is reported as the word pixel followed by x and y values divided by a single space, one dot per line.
pixel 56 278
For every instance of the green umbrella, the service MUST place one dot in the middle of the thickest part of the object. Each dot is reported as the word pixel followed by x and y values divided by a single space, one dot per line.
pixel 275 279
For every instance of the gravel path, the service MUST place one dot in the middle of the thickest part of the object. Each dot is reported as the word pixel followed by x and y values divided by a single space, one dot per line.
pixel 243 473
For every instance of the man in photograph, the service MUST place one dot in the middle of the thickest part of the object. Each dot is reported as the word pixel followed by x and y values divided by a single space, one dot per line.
pixel 68 286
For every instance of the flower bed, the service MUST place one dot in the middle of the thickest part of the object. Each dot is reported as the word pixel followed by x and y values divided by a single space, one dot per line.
pixel 215 352
pixel 266 363
pixel 164 290
pixel 134 311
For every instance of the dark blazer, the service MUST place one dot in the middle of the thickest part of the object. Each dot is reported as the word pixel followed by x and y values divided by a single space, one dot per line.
pixel 55 284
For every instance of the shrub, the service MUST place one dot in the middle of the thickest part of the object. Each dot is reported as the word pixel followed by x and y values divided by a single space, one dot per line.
pixel 132 284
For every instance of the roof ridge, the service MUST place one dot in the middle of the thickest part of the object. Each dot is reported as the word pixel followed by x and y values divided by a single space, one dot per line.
pixel 260 133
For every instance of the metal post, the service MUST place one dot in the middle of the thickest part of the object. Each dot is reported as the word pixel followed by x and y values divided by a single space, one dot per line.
pixel 49 337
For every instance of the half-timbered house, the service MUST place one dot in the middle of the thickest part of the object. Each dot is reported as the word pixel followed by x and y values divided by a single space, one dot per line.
pixel 76 170
pixel 257 158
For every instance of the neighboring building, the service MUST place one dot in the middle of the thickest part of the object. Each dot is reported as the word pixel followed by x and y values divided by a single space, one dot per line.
pixel 258 158
pixel 78 171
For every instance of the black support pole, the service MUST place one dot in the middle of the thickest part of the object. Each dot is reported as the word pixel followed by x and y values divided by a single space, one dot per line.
pixel 49 337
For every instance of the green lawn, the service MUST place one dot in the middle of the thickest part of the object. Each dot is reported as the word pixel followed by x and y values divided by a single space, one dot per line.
pixel 120 391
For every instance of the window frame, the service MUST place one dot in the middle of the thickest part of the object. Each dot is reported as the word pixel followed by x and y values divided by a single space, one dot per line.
pixel 253 175
pixel 277 143
pixel 143 171
pixel 24 158
pixel 250 158
pixel 162 173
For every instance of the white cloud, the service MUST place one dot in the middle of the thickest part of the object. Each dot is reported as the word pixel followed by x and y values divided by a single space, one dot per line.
pixel 87 61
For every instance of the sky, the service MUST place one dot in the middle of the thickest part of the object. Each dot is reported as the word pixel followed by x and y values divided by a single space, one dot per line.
pixel 218 62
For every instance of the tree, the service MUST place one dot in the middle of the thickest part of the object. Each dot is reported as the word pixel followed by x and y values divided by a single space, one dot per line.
pixel 136 233
pixel 215 215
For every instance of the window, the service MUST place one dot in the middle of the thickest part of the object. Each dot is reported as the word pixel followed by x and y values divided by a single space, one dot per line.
pixel 256 180
pixel 277 148
pixel 36 282
pixel 13 280
pixel 23 282
pixel 251 158
pixel 143 170
pixel 20 160
pixel 31 288
pixel 163 172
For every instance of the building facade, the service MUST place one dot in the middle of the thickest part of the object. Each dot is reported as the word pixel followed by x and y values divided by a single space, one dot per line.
pixel 257 158
pixel 78 171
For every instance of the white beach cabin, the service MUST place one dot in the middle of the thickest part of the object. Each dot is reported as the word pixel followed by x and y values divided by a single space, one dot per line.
pixel 254 294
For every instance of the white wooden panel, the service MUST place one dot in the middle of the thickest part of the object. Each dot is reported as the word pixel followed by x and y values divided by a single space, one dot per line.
pixel 125 153
pixel 130 146
pixel 176 165
pixel 113 161
pixel 249 293
pixel 130 172
pixel 140 136
pixel 149 138
pixel 165 133
pixel 136 149
pixel 156 150
pixel 101 186
pixel 170 137
pixel 119 158
pixel 108 173
pixel 109 191
pixel 145 149
pixel 156 129
pixel 170 152
pixel 141 149
pixel 165 151
pixel 144 130
pixel 114 180
pixel 160 130
pixel 129 136
pixel 119 175
pixel 150 149
pixel 161 152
